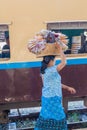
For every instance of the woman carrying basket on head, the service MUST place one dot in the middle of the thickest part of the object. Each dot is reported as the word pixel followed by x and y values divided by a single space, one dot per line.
pixel 52 115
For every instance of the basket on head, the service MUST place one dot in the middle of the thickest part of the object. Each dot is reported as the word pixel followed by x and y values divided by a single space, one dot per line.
pixel 50 49
pixel 43 43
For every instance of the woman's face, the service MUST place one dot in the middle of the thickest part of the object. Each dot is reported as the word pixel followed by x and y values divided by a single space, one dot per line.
pixel 52 62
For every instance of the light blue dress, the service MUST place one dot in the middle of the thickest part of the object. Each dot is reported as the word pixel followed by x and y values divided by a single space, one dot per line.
pixel 52 109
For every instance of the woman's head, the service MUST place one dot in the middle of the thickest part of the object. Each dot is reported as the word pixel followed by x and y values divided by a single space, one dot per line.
pixel 47 60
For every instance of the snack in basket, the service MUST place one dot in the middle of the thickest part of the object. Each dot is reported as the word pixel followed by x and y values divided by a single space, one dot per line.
pixel 43 38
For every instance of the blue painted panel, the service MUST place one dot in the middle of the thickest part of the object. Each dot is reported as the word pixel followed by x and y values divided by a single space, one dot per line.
pixel 35 64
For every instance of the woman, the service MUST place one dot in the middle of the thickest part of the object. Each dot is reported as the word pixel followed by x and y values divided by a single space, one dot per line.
pixel 52 116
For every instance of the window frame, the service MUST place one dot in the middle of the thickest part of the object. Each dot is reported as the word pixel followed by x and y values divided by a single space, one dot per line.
pixel 67 25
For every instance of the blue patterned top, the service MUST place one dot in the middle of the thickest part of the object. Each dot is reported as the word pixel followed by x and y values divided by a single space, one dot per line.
pixel 52 95
pixel 51 82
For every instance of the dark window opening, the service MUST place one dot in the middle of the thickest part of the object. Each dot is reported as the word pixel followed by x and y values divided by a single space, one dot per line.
pixel 77 35
pixel 4 42
pixel 76 39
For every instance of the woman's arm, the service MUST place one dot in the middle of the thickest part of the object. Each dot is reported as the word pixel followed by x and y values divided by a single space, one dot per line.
pixel 68 88
pixel 63 58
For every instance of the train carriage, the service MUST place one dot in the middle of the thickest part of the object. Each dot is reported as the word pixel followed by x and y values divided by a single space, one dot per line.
pixel 20 81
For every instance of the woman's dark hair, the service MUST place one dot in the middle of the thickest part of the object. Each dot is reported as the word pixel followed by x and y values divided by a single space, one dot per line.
pixel 45 62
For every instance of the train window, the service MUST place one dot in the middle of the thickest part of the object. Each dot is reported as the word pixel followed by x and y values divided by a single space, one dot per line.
pixel 77 35
pixel 4 42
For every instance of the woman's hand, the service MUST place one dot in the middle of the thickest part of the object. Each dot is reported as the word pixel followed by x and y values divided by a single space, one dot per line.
pixel 59 47
pixel 71 90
